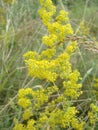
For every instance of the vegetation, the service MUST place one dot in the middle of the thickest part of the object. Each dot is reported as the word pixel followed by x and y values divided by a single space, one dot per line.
pixel 49 66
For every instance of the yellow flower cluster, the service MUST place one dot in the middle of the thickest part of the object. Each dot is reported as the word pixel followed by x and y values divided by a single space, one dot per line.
pixel 93 114
pixel 19 126
pixel 84 30
pixel 47 54
pixel 62 17
pixel 96 83
pixel 70 49
pixel 36 98
pixel 42 69
pixel 61 119
pixel 71 87
pixel 23 100
pixel 77 125
pixel 49 114
pixel 57 32
pixel 95 87
pixel 49 40
pixel 30 55
pixel 27 113
pixel 58 28
pixel 30 126
pixel 47 11
pixel 51 107
pixel 25 96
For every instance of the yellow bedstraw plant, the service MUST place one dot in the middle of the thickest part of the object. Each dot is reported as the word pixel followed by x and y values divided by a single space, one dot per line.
pixel 51 107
